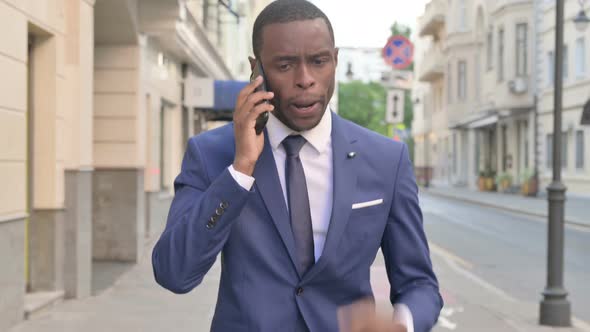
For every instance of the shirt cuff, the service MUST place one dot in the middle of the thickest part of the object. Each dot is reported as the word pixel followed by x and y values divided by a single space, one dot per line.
pixel 402 313
pixel 245 181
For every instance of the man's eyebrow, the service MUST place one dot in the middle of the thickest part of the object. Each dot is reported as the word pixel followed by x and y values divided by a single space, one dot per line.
pixel 321 53
pixel 279 58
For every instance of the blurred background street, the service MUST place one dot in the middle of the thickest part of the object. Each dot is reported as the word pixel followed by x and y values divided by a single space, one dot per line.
pixel 99 97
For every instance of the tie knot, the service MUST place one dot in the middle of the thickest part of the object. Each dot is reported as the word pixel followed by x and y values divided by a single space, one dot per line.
pixel 293 144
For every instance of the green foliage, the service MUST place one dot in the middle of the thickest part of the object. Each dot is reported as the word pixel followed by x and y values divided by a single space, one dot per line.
pixel 408 109
pixel 528 174
pixel 400 29
pixel 363 104
pixel 503 176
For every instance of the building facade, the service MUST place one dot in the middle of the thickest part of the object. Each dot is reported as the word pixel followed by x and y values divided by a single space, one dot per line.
pixel 94 118
pixel 575 145
pixel 492 65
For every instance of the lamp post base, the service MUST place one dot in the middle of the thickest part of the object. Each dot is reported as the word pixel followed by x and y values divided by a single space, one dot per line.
pixel 555 311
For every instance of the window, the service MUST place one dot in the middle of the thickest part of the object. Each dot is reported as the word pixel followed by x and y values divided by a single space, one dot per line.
pixel 490 49
pixel 550 69
pixel 504 148
pixel 549 147
pixel 477 73
pixel 526 145
pixel 521 49
pixel 461 80
pixel 449 84
pixel 580 57
pixel 462 21
pixel 564 152
pixel 580 149
pixel 501 55
pixel 455 153
pixel 565 63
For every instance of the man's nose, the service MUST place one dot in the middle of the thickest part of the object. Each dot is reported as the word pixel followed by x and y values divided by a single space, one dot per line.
pixel 304 78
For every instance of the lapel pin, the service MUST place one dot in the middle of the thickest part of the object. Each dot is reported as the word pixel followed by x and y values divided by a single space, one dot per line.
pixel 351 155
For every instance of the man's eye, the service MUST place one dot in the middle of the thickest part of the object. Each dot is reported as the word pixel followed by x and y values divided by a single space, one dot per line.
pixel 320 61
pixel 284 67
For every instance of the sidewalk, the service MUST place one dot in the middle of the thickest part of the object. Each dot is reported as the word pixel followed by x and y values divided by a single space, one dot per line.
pixel 137 304
pixel 577 209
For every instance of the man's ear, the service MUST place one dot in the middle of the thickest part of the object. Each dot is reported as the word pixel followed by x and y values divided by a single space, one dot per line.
pixel 336 55
pixel 252 62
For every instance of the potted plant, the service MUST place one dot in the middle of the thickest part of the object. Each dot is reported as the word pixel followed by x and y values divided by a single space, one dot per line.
pixel 481 181
pixel 489 183
pixel 529 183
pixel 504 181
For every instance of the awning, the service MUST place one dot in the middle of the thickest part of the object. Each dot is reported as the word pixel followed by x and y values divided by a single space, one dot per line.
pixel 472 118
pixel 484 122
pixel 586 114
pixel 226 94
pixel 209 94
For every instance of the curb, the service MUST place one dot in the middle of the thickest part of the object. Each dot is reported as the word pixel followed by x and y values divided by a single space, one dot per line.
pixel 569 221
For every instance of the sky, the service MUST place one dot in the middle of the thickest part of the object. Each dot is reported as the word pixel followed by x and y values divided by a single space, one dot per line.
pixel 366 23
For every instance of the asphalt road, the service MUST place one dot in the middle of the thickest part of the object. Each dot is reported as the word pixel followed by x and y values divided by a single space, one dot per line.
pixel 507 251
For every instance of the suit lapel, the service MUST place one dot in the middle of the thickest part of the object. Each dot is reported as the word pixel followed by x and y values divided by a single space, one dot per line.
pixel 344 188
pixel 268 184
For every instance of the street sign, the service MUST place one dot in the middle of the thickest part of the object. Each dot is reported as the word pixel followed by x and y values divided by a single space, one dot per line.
pixel 395 106
pixel 398 52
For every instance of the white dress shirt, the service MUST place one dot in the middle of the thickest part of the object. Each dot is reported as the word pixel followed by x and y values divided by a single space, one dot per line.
pixel 316 158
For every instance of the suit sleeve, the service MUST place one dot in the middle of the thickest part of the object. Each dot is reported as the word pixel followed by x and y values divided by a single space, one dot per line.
pixel 199 223
pixel 406 252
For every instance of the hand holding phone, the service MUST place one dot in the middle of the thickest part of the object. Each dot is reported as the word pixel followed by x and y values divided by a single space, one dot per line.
pixel 263 117
pixel 250 106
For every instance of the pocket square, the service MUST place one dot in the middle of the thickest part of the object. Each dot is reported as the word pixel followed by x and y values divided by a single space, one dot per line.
pixel 367 204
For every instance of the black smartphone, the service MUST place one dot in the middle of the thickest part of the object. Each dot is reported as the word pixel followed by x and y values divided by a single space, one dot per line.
pixel 263 117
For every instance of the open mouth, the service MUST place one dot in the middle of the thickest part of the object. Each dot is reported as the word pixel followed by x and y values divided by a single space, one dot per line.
pixel 305 107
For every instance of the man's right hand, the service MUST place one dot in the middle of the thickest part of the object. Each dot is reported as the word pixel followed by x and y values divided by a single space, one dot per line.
pixel 248 107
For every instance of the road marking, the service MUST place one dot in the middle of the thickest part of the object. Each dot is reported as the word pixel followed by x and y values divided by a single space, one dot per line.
pixel 445 323
pixel 453 264
pixel 450 256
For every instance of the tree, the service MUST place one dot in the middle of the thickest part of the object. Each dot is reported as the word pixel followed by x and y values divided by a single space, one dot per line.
pixel 363 104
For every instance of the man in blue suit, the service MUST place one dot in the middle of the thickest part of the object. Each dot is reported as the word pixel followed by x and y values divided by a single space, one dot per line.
pixel 300 211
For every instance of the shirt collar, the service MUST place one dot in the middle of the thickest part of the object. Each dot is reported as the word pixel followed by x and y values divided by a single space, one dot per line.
pixel 319 137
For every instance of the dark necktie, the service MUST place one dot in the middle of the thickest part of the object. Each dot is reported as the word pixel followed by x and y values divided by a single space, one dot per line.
pixel 299 203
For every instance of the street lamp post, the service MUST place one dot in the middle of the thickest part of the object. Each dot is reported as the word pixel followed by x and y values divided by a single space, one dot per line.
pixel 555 309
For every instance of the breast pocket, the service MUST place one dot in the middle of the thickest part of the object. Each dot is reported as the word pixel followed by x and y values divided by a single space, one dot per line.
pixel 368 207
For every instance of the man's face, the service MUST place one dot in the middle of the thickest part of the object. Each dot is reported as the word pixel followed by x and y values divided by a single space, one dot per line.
pixel 299 61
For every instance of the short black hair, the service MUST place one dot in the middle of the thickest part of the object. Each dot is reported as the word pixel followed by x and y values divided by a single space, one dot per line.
pixel 285 11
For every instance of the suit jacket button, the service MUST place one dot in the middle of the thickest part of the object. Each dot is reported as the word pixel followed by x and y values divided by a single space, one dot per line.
pixel 214 219
pixel 299 291
pixel 219 211
pixel 223 205
pixel 210 225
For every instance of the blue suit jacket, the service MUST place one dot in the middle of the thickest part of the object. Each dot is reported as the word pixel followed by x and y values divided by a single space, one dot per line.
pixel 259 285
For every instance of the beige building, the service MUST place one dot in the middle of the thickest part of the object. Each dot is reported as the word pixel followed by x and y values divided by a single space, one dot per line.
pixel 576 94
pixel 46 150
pixel 430 127
pixel 96 106
pixel 479 102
